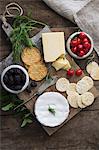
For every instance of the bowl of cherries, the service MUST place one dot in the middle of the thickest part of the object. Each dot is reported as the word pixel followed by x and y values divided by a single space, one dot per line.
pixel 14 79
pixel 80 45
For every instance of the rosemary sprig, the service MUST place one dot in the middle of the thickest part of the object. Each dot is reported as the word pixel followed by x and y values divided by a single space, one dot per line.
pixel 51 110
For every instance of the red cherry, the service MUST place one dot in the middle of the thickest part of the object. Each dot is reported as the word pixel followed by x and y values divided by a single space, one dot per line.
pixel 87 45
pixel 74 49
pixel 78 40
pixel 86 50
pixel 80 46
pixel 82 35
pixel 85 40
pixel 78 72
pixel 70 72
pixel 74 43
pixel 81 53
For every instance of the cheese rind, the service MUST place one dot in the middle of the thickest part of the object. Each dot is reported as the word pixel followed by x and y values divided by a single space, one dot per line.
pixel 53 45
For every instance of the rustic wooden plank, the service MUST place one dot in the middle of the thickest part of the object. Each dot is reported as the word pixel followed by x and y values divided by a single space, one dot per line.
pixel 24 95
pixel 81 133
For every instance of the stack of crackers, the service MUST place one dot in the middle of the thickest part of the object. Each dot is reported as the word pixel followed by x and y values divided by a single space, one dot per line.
pixel 32 60
pixel 78 94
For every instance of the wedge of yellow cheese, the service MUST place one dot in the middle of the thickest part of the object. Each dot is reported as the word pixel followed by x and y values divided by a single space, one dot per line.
pixel 53 45
pixel 61 63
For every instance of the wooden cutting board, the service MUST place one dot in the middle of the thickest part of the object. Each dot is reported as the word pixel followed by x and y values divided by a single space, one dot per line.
pixel 30 105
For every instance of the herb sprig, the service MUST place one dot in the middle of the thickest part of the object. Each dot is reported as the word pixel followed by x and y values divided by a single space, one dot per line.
pixel 20 35
pixel 51 110
pixel 10 101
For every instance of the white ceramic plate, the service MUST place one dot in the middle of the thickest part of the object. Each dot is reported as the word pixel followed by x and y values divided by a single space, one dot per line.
pixel 56 101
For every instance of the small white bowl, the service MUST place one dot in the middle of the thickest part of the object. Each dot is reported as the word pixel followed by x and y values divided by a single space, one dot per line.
pixel 69 49
pixel 26 83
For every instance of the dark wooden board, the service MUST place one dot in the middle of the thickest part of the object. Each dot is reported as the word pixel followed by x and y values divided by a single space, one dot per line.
pixel 30 105
pixel 81 133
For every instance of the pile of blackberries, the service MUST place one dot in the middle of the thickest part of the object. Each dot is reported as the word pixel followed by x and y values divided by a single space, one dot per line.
pixel 14 79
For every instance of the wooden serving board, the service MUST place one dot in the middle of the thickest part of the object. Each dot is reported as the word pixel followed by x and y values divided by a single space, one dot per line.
pixel 30 105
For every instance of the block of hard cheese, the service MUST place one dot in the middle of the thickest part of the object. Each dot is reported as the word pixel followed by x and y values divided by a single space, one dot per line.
pixel 53 45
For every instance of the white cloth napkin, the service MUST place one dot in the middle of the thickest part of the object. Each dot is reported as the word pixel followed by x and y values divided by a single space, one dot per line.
pixel 84 12
pixel 67 8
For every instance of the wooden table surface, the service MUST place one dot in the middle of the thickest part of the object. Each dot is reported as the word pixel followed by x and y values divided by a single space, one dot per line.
pixel 80 133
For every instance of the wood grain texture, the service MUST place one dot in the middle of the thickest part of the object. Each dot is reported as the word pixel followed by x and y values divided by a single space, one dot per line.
pixel 81 133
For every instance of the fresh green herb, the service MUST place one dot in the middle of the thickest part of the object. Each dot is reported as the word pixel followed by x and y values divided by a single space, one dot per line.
pixel 25 122
pixel 8 107
pixel 48 78
pixel 10 101
pixel 20 35
pixel 51 110
pixel 26 119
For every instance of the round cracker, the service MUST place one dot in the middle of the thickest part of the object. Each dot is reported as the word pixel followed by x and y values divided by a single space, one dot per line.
pixel 37 71
pixel 89 81
pixel 87 98
pixel 82 86
pixel 73 98
pixel 91 66
pixel 95 73
pixel 30 56
pixel 80 104
pixel 71 88
pixel 62 84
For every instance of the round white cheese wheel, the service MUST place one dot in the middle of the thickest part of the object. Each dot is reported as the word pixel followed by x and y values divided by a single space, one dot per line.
pixel 55 101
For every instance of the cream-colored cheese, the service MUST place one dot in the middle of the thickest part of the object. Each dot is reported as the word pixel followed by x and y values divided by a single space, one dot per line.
pixel 61 63
pixel 53 45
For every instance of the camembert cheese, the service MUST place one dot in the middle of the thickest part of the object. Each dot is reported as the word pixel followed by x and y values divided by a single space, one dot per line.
pixel 53 45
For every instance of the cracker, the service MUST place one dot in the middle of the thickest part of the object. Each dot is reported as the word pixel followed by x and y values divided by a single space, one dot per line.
pixel 30 56
pixel 80 104
pixel 95 73
pixel 37 71
pixel 62 84
pixel 71 88
pixel 89 81
pixel 87 98
pixel 82 86
pixel 91 66
pixel 85 84
pixel 73 98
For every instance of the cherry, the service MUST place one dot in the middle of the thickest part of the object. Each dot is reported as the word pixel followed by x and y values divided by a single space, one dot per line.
pixel 78 72
pixel 74 49
pixel 81 53
pixel 74 43
pixel 80 46
pixel 70 72
pixel 82 35
pixel 85 40
pixel 87 45
pixel 86 50
pixel 78 40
